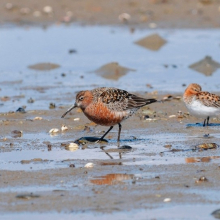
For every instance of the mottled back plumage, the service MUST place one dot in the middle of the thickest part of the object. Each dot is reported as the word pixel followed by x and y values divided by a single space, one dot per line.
pixel 119 100
pixel 108 106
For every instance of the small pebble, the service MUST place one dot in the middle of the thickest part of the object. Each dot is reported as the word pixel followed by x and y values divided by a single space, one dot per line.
pixel 72 51
pixel 17 133
pixel 30 100
pixel 52 105
pixel 21 110
pixel 72 165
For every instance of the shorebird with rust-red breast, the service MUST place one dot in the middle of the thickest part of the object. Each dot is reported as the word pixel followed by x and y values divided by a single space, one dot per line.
pixel 201 104
pixel 108 106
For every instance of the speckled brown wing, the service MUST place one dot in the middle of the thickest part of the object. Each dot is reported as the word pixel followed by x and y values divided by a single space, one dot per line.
pixel 209 99
pixel 121 100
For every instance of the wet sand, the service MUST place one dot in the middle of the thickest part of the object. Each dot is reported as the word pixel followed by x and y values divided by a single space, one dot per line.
pixel 163 163
pixel 141 13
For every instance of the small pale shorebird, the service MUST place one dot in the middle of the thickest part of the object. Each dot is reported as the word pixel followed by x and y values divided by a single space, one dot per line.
pixel 201 104
pixel 108 106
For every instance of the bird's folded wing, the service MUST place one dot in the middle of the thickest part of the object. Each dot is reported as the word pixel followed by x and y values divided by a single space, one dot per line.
pixel 209 100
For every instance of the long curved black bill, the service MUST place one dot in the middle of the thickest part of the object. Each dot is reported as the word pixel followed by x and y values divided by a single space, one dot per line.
pixel 69 110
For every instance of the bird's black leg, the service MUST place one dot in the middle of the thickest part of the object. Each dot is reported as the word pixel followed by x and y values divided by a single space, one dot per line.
pixel 207 122
pixel 105 134
pixel 119 133
pixel 204 123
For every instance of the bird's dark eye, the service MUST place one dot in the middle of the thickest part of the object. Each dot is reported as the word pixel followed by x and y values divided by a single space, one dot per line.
pixel 81 98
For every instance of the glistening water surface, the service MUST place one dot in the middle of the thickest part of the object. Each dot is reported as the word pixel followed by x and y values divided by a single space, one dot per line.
pixel 81 50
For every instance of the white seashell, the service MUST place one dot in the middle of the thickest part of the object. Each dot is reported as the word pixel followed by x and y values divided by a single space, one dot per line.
pixel 48 9
pixel 124 17
pixel 53 130
pixel 72 147
pixel 76 119
pixel 64 128
pixel 167 200
pixel 38 118
pixel 89 165
pixel 172 116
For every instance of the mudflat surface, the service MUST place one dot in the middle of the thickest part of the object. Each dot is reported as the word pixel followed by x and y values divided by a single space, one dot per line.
pixel 166 166
pixel 140 13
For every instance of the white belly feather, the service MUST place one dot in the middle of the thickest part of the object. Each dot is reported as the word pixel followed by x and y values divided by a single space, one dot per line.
pixel 199 110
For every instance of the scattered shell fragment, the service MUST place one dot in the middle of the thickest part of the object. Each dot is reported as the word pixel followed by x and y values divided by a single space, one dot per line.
pixel 27 196
pixel 86 140
pixel 89 165
pixel 76 119
pixel 64 128
pixel 152 42
pixel 167 200
pixel 124 17
pixel 53 130
pixel 206 66
pixel 38 118
pixel 178 97
pixel 47 9
pixel 72 147
pixel 167 98
pixel 172 116
pixel 201 179
pixel 167 146
pixel 207 146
